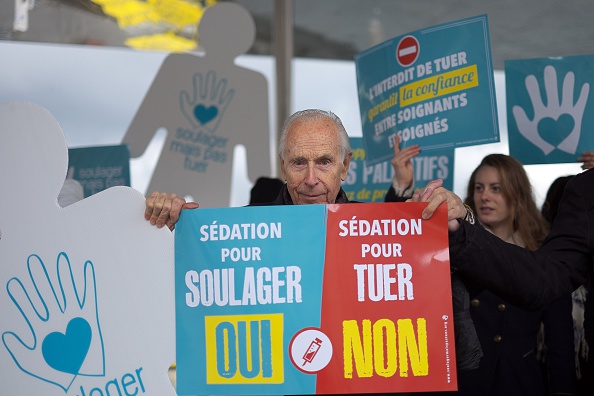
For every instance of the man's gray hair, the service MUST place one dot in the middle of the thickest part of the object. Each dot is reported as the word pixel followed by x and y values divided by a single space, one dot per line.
pixel 314 115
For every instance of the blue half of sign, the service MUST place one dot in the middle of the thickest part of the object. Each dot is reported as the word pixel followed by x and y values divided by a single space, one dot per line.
pixel 247 280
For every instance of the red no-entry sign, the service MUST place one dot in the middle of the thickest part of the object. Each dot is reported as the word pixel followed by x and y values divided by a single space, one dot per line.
pixel 407 51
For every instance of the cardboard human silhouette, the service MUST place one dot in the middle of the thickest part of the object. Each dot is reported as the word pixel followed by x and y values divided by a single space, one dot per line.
pixel 86 291
pixel 207 105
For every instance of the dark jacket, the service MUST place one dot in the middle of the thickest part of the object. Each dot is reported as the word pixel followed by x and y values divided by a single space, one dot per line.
pixel 562 263
pixel 511 364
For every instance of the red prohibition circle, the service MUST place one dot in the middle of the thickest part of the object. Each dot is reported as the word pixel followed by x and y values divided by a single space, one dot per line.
pixel 407 51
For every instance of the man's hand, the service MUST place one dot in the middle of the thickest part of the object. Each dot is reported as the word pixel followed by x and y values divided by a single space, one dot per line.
pixel 588 159
pixel 435 194
pixel 164 209
pixel 402 164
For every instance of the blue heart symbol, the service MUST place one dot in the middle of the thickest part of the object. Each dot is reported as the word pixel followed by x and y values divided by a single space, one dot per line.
pixel 204 114
pixel 555 131
pixel 67 352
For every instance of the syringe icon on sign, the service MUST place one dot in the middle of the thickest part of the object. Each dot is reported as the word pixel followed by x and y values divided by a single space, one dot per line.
pixel 311 351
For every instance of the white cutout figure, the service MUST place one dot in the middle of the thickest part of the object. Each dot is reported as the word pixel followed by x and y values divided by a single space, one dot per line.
pixel 207 105
pixel 86 291
pixel 529 128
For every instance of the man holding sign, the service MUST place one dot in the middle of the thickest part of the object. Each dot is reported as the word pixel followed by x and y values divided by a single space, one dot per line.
pixel 315 154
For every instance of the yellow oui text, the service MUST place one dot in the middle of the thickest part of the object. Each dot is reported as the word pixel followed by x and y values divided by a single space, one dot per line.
pixel 384 348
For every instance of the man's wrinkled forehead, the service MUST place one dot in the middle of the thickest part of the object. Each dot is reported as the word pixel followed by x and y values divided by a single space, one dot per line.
pixel 308 133
pixel 312 145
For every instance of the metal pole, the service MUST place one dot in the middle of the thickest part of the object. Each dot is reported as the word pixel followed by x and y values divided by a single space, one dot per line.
pixel 283 48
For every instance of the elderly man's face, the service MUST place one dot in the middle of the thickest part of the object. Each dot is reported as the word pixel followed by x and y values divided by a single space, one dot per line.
pixel 313 166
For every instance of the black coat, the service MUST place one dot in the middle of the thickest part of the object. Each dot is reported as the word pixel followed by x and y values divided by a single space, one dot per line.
pixel 508 336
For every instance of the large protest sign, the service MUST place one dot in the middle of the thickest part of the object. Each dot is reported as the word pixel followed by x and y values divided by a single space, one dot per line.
pixel 313 299
pixel 86 296
pixel 98 168
pixel 433 87
pixel 370 183
pixel 550 109
pixel 208 105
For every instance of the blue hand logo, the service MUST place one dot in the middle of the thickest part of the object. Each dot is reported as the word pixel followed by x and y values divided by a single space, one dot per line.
pixel 67 352
pixel 205 106
pixel 205 115
pixel 63 322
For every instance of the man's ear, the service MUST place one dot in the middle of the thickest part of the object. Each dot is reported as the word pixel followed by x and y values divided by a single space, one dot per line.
pixel 345 164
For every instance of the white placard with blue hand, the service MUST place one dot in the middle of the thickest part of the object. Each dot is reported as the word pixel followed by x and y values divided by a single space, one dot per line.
pixel 86 296
pixel 549 107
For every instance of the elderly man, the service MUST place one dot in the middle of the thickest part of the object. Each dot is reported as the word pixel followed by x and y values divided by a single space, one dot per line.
pixel 315 153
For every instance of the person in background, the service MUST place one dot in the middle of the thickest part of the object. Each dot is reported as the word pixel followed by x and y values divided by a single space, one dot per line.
pixel 587 158
pixel 403 182
pixel 550 205
pixel 583 305
pixel 265 190
pixel 500 194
